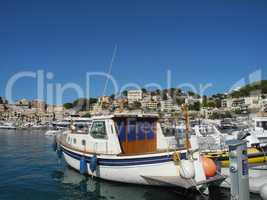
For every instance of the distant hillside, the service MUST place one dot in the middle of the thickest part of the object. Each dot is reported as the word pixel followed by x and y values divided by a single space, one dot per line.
pixel 80 104
pixel 248 89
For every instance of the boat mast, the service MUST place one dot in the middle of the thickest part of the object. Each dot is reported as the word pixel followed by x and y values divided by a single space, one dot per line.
pixel 186 117
pixel 110 68
pixel 109 72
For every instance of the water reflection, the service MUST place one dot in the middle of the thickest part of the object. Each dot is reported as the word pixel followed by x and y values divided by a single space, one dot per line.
pixel 86 187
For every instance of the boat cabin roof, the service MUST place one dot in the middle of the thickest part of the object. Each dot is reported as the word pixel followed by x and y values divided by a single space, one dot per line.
pixel 126 115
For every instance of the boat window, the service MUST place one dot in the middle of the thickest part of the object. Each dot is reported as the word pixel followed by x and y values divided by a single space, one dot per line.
pixel 98 130
pixel 82 128
pixel 112 129
pixel 264 125
pixel 132 127
pixel 74 140
pixel 83 142
pixel 178 133
pixel 169 131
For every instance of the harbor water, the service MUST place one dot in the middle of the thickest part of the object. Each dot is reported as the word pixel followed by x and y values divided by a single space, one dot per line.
pixel 30 170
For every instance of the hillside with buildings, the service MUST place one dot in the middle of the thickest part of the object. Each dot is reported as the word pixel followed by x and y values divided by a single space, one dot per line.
pixel 248 99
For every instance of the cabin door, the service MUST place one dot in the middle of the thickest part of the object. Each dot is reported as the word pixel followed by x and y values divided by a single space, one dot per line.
pixel 137 135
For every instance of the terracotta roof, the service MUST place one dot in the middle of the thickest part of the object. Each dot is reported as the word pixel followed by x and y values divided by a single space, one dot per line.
pixel 261 114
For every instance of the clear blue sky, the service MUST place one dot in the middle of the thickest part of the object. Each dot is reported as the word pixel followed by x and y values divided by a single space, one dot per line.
pixel 201 42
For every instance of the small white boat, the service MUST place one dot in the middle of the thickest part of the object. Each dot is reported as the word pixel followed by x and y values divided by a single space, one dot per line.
pixel 133 149
pixel 8 126
pixel 260 129
pixel 53 132
pixel 78 124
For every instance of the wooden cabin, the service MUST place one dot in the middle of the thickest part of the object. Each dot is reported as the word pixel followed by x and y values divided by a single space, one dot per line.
pixel 137 135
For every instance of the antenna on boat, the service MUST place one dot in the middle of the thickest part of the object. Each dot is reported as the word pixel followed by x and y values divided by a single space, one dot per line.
pixel 110 67
pixel 186 117
pixel 109 71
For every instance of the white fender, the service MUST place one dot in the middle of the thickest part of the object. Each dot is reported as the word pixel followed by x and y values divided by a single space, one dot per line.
pixel 187 170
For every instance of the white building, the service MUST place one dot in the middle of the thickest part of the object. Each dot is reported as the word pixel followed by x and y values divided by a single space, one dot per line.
pixel 56 110
pixel 264 105
pixel 168 106
pixel 134 95
pixel 249 102
pixel 227 103
pixel 190 100
pixel 104 100
pixel 153 105
pixel 97 108
pixel 253 101
pixel 23 102
pixel 156 98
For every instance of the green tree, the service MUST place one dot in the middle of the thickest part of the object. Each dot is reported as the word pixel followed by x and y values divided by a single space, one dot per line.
pixel 112 96
pixel 260 86
pixel 137 105
pixel 93 100
pixel 190 93
pixel 195 106
pixel 215 115
pixel 124 93
pixel 238 111
pixel 211 104
pixel 218 103
pixel 157 92
pixel 87 115
pixel 81 104
pixel 227 114
pixel 144 90
pixel 164 96
pixel 67 105
pixel 204 101
pixel 180 100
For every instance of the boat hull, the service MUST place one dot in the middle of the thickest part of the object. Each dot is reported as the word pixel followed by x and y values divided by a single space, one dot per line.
pixel 158 170
pixel 255 156
pixel 7 128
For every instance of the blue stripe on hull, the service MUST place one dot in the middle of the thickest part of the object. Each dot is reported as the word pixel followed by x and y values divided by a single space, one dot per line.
pixel 121 162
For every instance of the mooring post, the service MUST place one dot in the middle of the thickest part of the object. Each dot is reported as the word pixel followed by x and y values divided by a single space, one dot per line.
pixel 238 169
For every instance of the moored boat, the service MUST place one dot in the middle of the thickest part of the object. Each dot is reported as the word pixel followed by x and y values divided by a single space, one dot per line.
pixel 255 156
pixel 259 129
pixel 8 126
pixel 133 149
pixel 79 124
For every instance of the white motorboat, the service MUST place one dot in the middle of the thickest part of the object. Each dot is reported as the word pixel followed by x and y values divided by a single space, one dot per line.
pixel 211 138
pixel 260 128
pixel 132 148
pixel 79 124
pixel 53 132
pixel 8 126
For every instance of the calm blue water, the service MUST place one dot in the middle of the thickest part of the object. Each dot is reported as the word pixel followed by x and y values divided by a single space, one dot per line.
pixel 29 169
